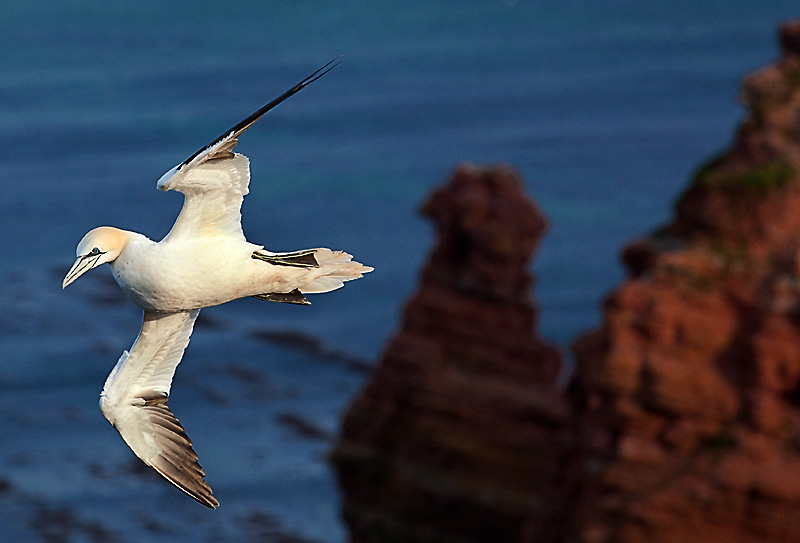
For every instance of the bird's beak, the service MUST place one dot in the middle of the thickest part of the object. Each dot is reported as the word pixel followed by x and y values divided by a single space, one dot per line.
pixel 81 266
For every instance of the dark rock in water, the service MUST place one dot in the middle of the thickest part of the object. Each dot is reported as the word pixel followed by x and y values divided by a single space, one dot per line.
pixel 303 427
pixel 312 346
pixel 64 524
pixel 456 436
pixel 264 526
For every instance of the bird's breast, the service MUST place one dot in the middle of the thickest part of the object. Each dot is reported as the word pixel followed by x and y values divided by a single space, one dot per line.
pixel 170 277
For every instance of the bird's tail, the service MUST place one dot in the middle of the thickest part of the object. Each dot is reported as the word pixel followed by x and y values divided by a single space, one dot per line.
pixel 335 267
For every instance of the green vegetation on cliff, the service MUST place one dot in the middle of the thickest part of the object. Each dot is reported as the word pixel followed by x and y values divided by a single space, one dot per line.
pixel 761 180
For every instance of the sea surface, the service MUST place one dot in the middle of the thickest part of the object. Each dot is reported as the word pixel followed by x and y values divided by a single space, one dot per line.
pixel 605 109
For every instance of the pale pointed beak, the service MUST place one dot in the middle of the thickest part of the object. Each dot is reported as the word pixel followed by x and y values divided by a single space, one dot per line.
pixel 81 266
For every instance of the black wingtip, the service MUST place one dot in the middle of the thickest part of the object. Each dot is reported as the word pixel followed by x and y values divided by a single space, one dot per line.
pixel 318 74
pixel 311 78
pixel 244 124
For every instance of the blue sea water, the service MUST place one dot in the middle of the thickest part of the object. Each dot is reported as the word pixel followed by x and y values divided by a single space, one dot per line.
pixel 605 108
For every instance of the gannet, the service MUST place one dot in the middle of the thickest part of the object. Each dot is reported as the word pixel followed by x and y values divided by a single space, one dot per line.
pixel 203 261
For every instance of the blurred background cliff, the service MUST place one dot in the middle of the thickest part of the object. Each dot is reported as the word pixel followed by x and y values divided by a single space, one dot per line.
pixel 605 114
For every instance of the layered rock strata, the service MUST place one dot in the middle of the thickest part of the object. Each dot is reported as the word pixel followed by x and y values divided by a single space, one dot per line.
pixel 688 395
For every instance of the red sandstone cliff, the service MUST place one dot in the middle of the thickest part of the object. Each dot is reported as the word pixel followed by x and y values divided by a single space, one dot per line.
pixel 681 423
pixel 688 395
pixel 451 438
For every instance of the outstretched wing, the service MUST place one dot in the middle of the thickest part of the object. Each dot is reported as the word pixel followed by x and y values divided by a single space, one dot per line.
pixel 214 179
pixel 134 400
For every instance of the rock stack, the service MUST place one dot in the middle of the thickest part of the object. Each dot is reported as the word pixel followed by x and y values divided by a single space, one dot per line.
pixel 452 438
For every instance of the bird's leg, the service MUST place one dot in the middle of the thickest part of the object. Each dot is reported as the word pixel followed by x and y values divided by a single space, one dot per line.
pixel 299 259
pixel 293 297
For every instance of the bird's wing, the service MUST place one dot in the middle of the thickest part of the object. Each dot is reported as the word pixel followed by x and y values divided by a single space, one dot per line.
pixel 214 179
pixel 134 400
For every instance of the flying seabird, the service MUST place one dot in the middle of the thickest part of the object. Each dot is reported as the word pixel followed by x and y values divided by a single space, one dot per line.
pixel 203 261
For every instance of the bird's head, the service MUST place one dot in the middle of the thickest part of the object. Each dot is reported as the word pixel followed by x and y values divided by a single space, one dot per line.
pixel 101 245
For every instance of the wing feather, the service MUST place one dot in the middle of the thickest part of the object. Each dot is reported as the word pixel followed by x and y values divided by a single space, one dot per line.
pixel 134 400
pixel 214 179
pixel 213 196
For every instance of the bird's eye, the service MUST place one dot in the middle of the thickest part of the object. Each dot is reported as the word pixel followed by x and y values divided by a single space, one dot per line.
pixel 94 252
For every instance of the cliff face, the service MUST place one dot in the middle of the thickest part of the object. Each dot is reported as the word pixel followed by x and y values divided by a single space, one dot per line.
pixel 452 437
pixel 688 395
pixel 681 423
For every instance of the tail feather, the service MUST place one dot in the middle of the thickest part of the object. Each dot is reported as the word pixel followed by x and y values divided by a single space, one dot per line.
pixel 335 267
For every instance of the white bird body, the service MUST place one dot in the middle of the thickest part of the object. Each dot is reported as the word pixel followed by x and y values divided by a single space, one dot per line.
pixel 180 275
pixel 190 274
pixel 205 260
